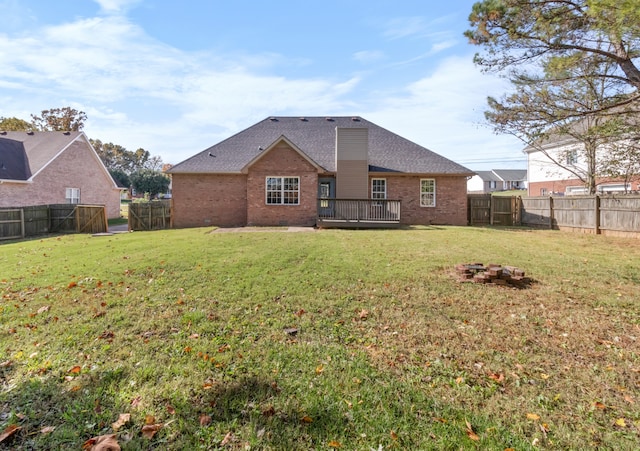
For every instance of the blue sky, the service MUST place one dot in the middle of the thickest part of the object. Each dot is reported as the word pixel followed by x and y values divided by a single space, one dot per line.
pixel 177 77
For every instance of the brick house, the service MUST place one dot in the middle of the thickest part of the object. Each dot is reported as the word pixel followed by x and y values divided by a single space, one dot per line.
pixel 337 171
pixel 552 169
pixel 41 168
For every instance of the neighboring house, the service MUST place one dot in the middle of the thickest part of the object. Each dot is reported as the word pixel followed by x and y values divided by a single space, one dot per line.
pixel 548 178
pixel 318 171
pixel 40 168
pixel 497 180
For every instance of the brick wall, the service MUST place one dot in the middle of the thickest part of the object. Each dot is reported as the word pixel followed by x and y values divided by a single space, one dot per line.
pixel 209 199
pixel 451 200
pixel 282 161
pixel 560 186
pixel 76 167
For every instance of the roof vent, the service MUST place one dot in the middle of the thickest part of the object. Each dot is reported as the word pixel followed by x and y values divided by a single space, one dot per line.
pixel 3 132
pixel 66 133
pixel 355 119
pixel 303 119
pixel 329 119
pixel 260 148
pixel 273 119
pixel 30 132
pixel 211 155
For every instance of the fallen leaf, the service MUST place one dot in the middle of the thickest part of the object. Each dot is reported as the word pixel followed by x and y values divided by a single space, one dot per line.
pixel 135 402
pixel 300 312
pixel 123 419
pixel 171 410
pixel 47 429
pixel 470 433
pixel 107 335
pixel 319 369
pixel 205 420
pixel 334 444
pixel 499 378
pixel 227 439
pixel 43 309
pixel 307 419
pixel 600 406
pixel 269 412
pixel 620 422
pixel 149 430
pixel 72 285
pixel 8 432
pixel 394 436
pixel 102 443
pixel 363 315
pixel 75 370
pixel 149 419
pixel 533 416
pixel 629 399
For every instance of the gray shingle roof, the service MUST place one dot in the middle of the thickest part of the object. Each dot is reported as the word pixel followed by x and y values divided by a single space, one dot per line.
pixel 23 154
pixel 316 137
pixel 511 175
pixel 488 176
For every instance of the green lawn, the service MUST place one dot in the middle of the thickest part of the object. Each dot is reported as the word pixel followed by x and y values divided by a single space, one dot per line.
pixel 354 340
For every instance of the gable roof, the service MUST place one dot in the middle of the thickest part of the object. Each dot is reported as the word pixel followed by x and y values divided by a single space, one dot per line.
pixel 24 154
pixel 511 175
pixel 315 137
pixel 488 176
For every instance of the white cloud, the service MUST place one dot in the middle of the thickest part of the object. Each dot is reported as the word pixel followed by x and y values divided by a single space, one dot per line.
pixel 401 27
pixel 368 56
pixel 116 6
pixel 445 113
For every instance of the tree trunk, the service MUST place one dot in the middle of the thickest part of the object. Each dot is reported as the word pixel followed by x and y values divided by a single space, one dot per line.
pixel 626 64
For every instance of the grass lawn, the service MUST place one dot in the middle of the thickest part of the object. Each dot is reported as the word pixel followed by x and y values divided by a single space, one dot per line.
pixel 352 340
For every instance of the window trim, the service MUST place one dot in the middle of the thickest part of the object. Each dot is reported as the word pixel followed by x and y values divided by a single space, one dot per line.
pixel 373 192
pixel 431 193
pixel 281 190
pixel 69 195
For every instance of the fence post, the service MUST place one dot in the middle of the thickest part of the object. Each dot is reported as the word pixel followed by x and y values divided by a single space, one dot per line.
pixel 551 212
pixel 22 227
pixel 597 213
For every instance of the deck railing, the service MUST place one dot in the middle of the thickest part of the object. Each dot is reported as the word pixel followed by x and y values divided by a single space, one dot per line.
pixel 378 211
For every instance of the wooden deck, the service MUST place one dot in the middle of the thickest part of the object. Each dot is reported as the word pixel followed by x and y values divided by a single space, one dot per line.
pixel 358 213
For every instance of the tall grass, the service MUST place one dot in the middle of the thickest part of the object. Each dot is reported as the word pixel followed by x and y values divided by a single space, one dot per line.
pixel 332 339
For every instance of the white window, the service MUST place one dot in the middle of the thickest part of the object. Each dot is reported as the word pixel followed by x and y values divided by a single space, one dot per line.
pixel 283 190
pixel 72 195
pixel 427 192
pixel 575 190
pixel 378 188
pixel 572 157
pixel 614 188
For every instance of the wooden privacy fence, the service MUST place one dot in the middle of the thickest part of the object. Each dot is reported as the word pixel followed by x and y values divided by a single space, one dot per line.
pixel 22 222
pixel 485 209
pixel 611 214
pixel 155 215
